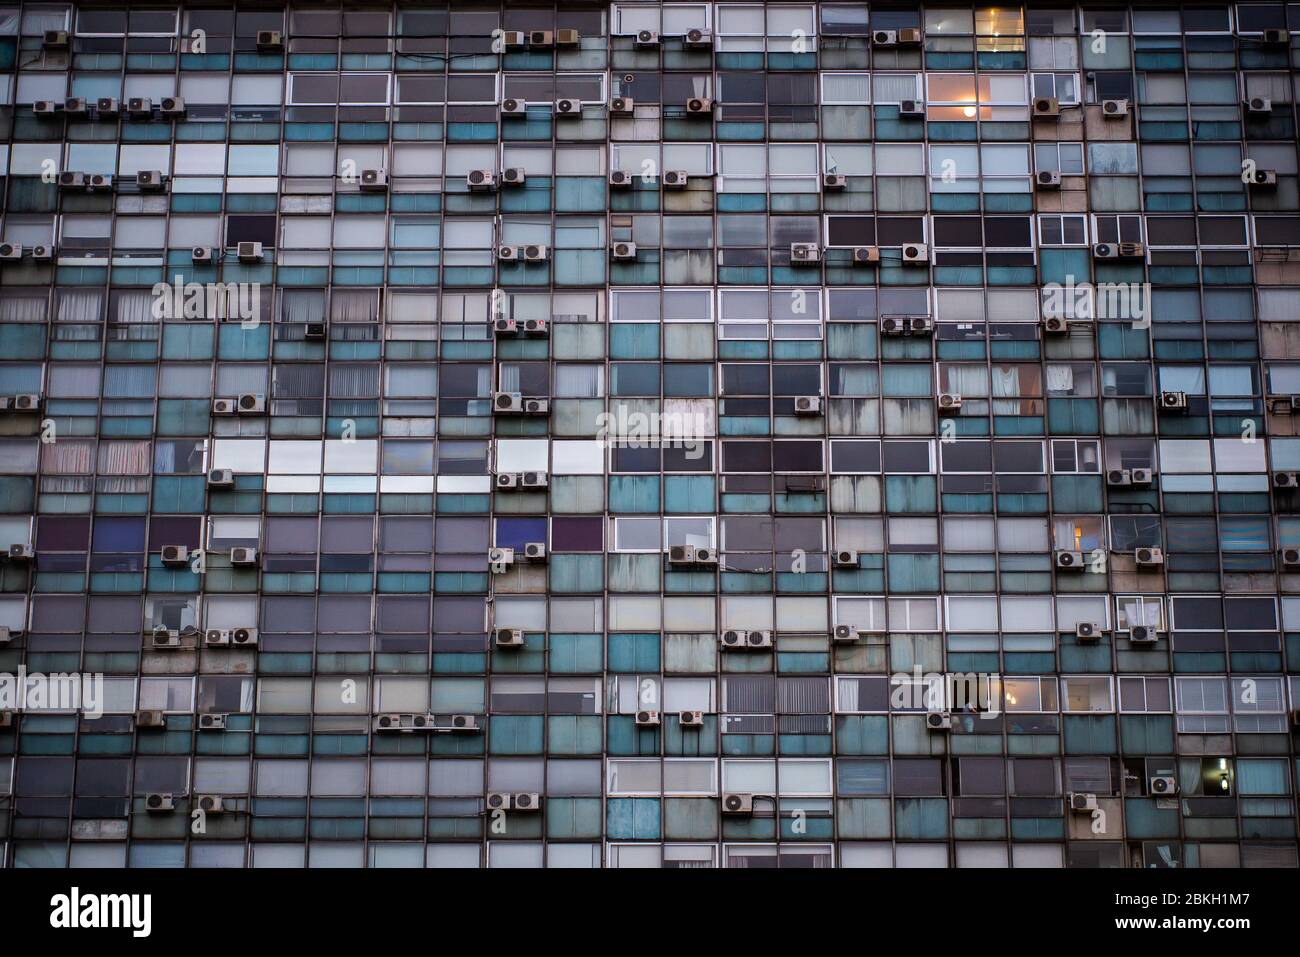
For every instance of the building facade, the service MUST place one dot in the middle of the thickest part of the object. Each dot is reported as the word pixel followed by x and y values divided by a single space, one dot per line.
pixel 649 434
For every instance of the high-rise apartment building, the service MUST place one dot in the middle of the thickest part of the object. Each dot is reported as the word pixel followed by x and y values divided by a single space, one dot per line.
pixel 649 434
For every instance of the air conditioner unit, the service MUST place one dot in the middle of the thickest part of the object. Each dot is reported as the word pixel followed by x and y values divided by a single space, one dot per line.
pixel 845 558
pixel 139 106
pixel 866 254
pixel 541 38
pixel 691 555
pixel 808 405
pixel 507 402
pixel 55 40
pixel 45 108
pixel 1148 556
pixel 1047 106
pixel 536 406
pixel 243 637
pixel 1056 326
pixel 514 176
pixel 949 402
pixel 1275 37
pixel 269 41
pixel 675 179
pixel 8 634
pixel 1173 401
pixel 159 803
pixel 1286 479
pixel 508 480
pixel 218 637
pixel 43 253
pixel 647 719
pixel 911 109
pixel 150 179
pixel 1070 560
pixel 845 633
pixel 481 180
pixel 1081 803
pixel 27 402
pixel 698 105
pixel 1291 557
pixel 172 106
pixel 534 479
pixel 107 106
pixel 11 252
pixel 202 254
pixel 406 722
pixel 834 182
pixel 1087 631
pixel 373 180
pixel 536 253
pixel 513 39
pixel 647 38
pixel 503 326
pixel 498 557
pixel 513 106
pixel 164 637
pixel 1119 477
pixel 884 38
pixel 623 251
pixel 893 326
pixel 738 804
pixel 150 718
pixel 508 253
pixel 1142 635
pixel 938 721
pixel 21 552
pixel 1132 250
pixel 314 331
pixel 1114 109
pixel 622 106
pixel 1260 105
pixel 76 106
pixel 1161 785
pixel 526 801
pixel 1143 476
pixel 221 478
pixel 212 722
pixel 1264 177
pixel 567 38
pixel 175 555
pixel 210 804
pixel 568 107
pixel 909 36
pixel 758 639
pixel 697 40
pixel 6 719
pixel 508 637
pixel 464 722
pixel 691 719
pixel 99 181
pixel 249 252
pixel 916 253
pixel 224 406
pixel 1048 179
pixel 250 403
pixel 805 253
pixel 71 179
pixel 535 551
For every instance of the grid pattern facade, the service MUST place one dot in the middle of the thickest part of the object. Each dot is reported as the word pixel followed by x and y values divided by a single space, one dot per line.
pixel 596 434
